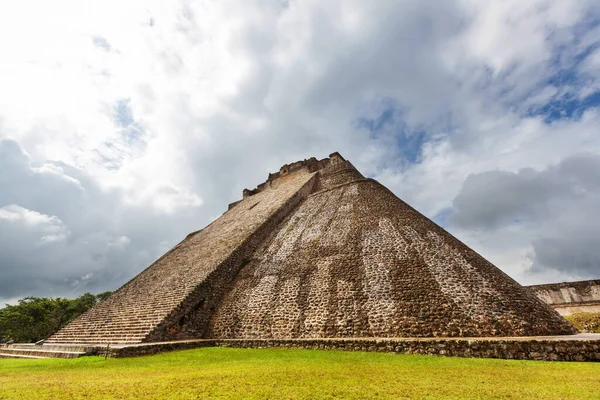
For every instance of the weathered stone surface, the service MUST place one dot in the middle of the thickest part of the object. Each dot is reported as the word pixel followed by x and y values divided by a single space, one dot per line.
pixel 190 276
pixel 317 251
pixel 570 297
pixel 569 348
pixel 30 350
pixel 356 261
pixel 546 350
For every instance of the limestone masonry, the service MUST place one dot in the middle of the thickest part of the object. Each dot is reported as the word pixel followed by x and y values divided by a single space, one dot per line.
pixel 570 297
pixel 317 251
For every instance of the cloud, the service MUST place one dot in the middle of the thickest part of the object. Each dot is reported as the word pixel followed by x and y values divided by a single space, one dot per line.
pixel 556 208
pixel 494 199
pixel 44 228
pixel 101 43
pixel 62 235
pixel 144 122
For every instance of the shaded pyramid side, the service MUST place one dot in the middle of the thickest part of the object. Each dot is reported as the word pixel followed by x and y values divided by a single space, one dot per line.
pixel 189 278
pixel 353 260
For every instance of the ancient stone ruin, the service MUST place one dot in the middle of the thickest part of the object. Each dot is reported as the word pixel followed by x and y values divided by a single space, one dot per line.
pixel 317 251
pixel 570 297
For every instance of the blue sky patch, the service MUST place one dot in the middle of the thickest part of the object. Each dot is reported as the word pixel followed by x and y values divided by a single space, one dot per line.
pixel 568 106
pixel 569 79
pixel 389 125
pixel 101 43
pixel 442 215
pixel 124 119
pixel 123 116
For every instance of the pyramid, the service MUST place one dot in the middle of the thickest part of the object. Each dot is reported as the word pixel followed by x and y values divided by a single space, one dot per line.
pixel 317 251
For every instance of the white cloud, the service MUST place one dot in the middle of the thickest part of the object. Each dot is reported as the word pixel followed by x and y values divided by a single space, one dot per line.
pixel 62 234
pixel 540 223
pixel 127 116
pixel 47 228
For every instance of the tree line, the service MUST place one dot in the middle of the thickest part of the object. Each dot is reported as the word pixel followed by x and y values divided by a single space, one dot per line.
pixel 36 318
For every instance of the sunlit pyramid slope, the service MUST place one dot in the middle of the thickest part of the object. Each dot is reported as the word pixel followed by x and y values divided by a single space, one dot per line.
pixel 190 277
pixel 317 251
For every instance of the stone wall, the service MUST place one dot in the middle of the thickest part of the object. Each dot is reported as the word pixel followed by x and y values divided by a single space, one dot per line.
pixel 570 297
pixel 547 350
pixel 531 349
pixel 312 165
pixel 337 174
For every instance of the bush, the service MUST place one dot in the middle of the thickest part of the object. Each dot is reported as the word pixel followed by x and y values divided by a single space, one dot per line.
pixel 36 318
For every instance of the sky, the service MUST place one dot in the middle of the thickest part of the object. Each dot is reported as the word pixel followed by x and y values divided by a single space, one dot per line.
pixel 126 125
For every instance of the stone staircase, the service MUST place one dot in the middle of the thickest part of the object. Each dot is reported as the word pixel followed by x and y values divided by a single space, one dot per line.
pixel 32 351
pixel 158 303
pixel 101 328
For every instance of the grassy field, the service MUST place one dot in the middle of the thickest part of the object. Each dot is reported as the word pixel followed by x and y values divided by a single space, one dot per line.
pixel 295 374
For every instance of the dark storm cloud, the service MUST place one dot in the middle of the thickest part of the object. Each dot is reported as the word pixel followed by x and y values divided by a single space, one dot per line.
pixel 61 235
pixel 571 243
pixel 559 206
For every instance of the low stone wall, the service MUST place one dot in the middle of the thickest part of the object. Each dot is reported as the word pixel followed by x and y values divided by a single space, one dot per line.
pixel 570 309
pixel 147 349
pixel 564 349
pixel 570 297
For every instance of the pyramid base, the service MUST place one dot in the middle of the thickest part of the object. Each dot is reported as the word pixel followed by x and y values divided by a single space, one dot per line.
pixel 580 347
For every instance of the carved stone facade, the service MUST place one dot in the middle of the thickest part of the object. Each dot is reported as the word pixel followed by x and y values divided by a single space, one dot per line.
pixel 317 251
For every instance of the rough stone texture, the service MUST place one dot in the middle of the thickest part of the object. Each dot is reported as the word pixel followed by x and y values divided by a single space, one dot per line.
pixel 353 260
pixel 146 349
pixel 570 297
pixel 317 251
pixel 546 350
pixel 29 350
pixel 188 279
pixel 568 348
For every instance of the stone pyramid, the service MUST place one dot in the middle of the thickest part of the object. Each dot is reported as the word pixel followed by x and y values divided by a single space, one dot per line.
pixel 317 251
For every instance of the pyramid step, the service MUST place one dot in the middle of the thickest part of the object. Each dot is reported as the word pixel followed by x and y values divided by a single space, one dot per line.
pixel 9 355
pixel 42 353
pixel 124 325
pixel 99 332
pixel 103 333
pixel 107 328
pixel 120 321
pixel 96 341
pixel 112 327
pixel 46 347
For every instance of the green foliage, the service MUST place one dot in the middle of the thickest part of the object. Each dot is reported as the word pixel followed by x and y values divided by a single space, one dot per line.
pixel 585 322
pixel 36 318
pixel 103 296
pixel 226 373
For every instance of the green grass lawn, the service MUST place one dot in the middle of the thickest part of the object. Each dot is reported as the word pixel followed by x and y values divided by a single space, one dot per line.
pixel 295 374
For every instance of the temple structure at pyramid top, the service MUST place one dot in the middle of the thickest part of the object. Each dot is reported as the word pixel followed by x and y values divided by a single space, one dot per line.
pixel 317 251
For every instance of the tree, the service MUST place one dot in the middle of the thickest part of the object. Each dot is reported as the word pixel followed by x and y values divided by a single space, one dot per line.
pixel 103 296
pixel 36 318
